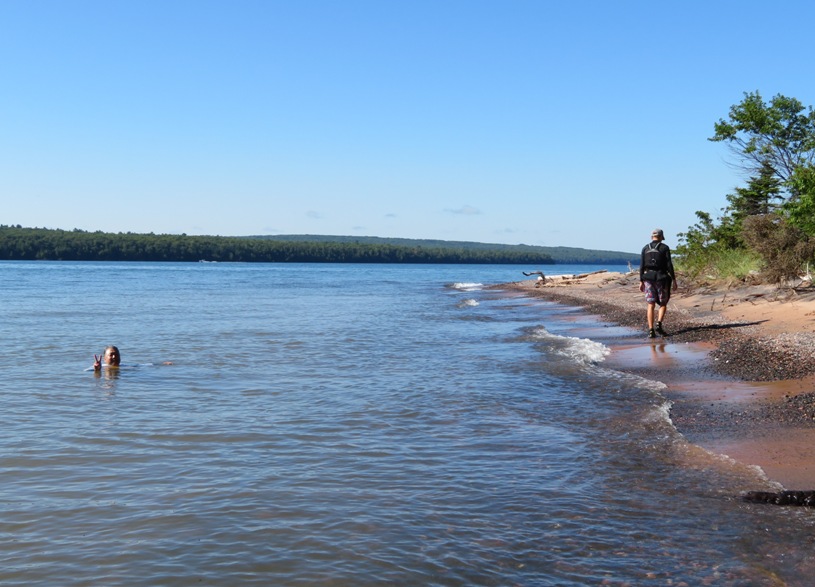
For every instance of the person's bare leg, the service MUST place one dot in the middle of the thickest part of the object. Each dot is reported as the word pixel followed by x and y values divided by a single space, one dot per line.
pixel 650 315
pixel 660 315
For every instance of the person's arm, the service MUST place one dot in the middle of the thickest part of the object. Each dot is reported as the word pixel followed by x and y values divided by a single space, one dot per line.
pixel 671 272
pixel 642 264
pixel 97 363
pixel 642 268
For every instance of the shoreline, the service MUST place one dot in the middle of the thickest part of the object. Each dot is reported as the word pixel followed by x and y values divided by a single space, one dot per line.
pixel 739 364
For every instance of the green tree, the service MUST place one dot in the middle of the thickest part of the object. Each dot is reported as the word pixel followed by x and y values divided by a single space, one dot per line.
pixel 774 214
pixel 780 134
pixel 801 207
pixel 761 196
pixel 782 246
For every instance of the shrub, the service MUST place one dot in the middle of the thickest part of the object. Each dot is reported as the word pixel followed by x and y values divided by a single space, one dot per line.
pixel 784 248
pixel 719 264
pixel 706 252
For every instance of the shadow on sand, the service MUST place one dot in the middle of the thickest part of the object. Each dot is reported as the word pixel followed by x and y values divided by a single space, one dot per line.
pixel 715 327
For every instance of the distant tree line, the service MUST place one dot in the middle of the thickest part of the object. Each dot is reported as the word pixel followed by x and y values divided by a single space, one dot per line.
pixel 19 243
pixel 571 255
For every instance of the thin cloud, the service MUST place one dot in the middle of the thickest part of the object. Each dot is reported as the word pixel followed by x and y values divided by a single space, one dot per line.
pixel 464 211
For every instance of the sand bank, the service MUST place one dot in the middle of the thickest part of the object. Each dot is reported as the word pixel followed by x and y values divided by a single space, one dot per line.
pixel 739 363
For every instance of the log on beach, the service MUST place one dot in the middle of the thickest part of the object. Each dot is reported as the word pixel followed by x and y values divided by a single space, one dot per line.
pixel 797 498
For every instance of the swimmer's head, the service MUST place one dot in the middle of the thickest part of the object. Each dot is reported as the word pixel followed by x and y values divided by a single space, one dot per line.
pixel 112 356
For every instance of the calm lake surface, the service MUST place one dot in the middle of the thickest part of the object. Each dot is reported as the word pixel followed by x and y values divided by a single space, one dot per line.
pixel 350 425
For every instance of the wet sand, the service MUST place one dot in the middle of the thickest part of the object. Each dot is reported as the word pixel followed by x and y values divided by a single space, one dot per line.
pixel 739 364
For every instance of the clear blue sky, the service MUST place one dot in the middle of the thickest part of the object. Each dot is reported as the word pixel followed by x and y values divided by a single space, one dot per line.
pixel 580 123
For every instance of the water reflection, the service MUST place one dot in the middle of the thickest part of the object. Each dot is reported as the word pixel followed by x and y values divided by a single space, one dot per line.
pixel 106 379
pixel 108 374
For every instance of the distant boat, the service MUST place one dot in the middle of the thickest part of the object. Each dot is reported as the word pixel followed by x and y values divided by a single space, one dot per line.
pixel 205 261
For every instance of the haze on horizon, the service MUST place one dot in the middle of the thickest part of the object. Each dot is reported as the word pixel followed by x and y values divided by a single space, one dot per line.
pixel 579 124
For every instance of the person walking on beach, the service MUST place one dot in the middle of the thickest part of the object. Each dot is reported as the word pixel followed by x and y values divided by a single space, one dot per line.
pixel 656 278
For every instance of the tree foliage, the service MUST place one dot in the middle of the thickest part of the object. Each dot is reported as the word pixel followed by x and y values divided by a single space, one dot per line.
pixel 773 216
pixel 780 134
pixel 761 195
pixel 558 254
pixel 782 245
pixel 801 208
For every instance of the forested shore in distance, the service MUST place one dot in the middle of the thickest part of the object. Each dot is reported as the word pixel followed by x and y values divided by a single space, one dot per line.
pixel 571 255
pixel 19 243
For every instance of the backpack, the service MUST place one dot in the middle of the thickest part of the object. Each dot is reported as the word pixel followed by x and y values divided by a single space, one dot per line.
pixel 655 257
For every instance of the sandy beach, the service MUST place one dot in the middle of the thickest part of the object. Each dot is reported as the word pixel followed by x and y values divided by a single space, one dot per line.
pixel 739 363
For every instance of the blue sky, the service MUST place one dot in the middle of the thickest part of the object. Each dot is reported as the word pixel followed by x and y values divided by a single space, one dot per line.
pixel 581 123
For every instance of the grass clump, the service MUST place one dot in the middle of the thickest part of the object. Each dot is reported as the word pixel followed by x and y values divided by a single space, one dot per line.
pixel 720 264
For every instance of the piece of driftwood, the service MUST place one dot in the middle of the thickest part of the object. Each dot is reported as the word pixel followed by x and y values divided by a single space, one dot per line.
pixel 799 498
pixel 541 277
pixel 752 297
pixel 570 278
pixel 584 275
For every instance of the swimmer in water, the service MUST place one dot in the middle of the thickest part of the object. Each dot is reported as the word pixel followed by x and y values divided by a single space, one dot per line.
pixel 111 358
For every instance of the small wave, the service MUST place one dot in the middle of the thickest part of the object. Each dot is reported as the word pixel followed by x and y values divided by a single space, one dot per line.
pixel 637 381
pixel 468 303
pixel 582 350
pixel 466 286
pixel 694 456
pixel 663 412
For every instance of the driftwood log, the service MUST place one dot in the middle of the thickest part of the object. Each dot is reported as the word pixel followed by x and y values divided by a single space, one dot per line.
pixel 541 277
pixel 800 498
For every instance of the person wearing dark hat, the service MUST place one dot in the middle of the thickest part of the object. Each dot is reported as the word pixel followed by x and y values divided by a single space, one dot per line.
pixel 656 278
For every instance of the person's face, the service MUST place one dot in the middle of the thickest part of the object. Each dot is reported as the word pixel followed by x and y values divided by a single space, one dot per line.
pixel 112 357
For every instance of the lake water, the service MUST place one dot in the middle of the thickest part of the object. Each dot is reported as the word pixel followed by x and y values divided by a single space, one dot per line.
pixel 350 425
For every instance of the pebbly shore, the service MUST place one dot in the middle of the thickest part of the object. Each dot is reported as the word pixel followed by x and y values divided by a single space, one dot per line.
pixel 739 351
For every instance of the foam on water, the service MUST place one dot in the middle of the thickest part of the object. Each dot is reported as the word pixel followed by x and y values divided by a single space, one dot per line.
pixel 582 350
pixel 463 286
pixel 468 303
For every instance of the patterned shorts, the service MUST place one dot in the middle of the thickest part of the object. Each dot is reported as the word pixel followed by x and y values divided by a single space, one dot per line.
pixel 657 292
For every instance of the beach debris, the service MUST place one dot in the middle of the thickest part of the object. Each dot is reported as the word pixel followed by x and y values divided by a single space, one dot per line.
pixel 797 498
pixel 541 277
pixel 585 275
pixel 569 279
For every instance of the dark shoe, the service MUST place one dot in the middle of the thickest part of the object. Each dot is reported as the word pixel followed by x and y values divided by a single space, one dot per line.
pixel 659 329
pixel 651 333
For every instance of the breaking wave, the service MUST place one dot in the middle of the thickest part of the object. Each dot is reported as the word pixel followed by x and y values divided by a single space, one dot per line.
pixel 464 286
pixel 581 350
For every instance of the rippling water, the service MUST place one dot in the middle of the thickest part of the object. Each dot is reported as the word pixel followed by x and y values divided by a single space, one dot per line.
pixel 349 425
